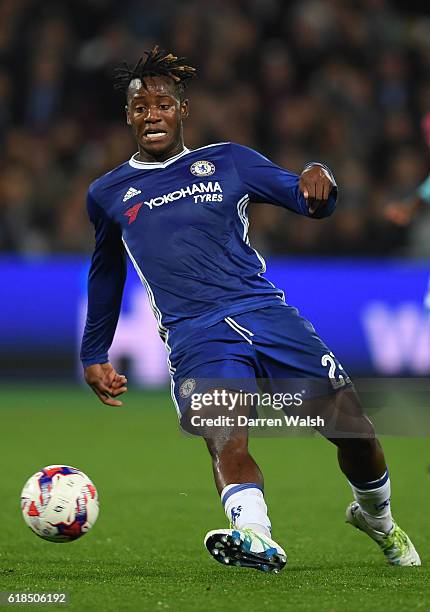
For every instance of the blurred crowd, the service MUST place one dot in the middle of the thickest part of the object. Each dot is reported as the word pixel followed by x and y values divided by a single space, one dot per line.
pixel 340 81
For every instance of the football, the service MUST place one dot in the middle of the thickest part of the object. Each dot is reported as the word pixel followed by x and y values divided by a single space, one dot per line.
pixel 59 503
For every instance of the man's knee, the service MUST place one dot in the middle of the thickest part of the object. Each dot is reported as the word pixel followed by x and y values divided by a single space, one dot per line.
pixel 226 443
pixel 348 420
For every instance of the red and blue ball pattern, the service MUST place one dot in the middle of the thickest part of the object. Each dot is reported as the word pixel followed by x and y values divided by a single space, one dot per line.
pixel 37 494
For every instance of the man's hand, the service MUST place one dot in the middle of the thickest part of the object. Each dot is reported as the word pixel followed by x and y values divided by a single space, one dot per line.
pixel 402 213
pixel 315 184
pixel 106 383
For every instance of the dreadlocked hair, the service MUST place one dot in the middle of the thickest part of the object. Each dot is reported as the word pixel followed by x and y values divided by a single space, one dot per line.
pixel 157 63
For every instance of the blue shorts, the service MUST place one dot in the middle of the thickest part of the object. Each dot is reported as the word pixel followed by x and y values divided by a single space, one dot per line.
pixel 272 349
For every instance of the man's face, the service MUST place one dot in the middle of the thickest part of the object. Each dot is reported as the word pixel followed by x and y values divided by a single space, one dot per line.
pixel 155 114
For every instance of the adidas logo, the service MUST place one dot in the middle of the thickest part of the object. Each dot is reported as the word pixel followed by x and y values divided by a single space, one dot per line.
pixel 131 193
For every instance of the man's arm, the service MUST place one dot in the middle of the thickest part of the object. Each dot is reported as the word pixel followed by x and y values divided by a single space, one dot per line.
pixel 105 287
pixel 312 194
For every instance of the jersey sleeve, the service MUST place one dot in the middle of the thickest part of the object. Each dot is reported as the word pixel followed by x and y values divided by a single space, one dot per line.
pixel 267 182
pixel 106 280
pixel 423 191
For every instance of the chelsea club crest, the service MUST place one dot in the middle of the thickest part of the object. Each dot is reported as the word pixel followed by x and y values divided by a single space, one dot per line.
pixel 202 168
pixel 187 387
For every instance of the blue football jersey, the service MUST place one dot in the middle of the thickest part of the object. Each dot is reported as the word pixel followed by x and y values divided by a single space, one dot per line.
pixel 184 225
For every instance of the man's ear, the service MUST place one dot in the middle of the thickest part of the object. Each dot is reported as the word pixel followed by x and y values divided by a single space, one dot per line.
pixel 184 109
pixel 127 115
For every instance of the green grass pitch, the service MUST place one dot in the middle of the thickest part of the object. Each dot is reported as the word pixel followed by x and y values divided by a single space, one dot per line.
pixel 157 500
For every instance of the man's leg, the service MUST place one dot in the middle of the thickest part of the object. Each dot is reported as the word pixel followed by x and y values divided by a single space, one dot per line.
pixel 362 460
pixel 239 482
pixel 232 461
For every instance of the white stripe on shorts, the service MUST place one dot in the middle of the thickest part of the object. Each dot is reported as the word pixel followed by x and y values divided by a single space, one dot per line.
pixel 239 329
